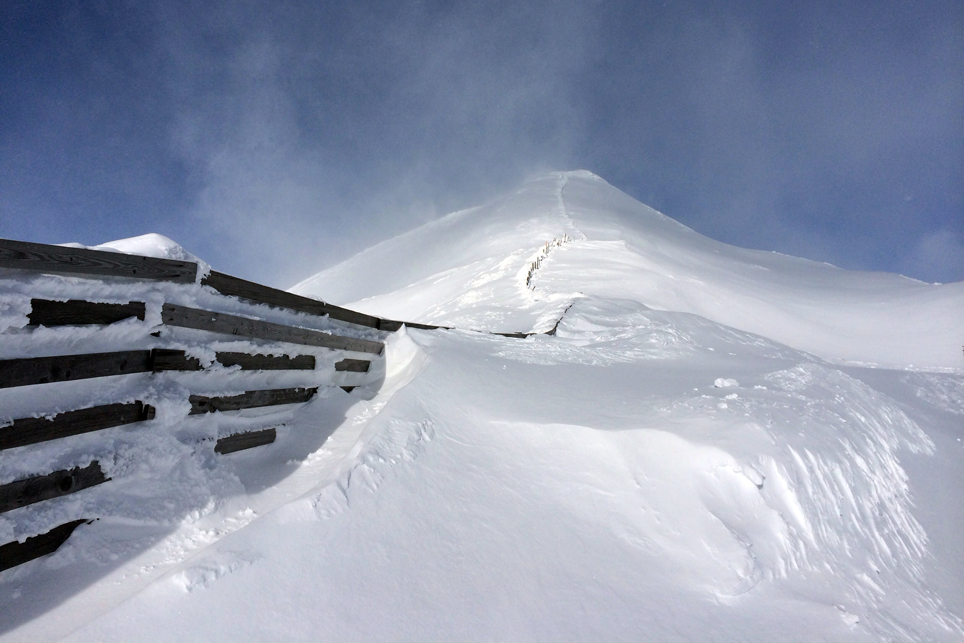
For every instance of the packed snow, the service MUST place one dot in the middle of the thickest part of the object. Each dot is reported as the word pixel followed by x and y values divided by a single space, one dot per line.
pixel 713 444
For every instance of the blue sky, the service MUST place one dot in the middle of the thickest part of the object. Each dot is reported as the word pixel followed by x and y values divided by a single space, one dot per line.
pixel 274 139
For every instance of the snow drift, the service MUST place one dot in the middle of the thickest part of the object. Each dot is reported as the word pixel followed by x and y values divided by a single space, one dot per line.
pixel 714 444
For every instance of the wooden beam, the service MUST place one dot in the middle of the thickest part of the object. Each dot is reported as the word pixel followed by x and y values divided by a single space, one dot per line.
pixel 166 359
pixel 392 325
pixel 74 311
pixel 353 365
pixel 64 368
pixel 33 430
pixel 185 317
pixel 267 362
pixel 425 326
pixel 169 359
pixel 17 553
pixel 241 441
pixel 45 370
pixel 389 325
pixel 256 293
pixel 250 399
pixel 67 368
pixel 41 257
pixel 21 493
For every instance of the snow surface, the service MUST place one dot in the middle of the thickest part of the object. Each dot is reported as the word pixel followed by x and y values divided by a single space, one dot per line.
pixel 469 265
pixel 716 444
pixel 148 245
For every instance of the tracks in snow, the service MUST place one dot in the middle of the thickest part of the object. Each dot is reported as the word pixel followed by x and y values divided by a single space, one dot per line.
pixel 563 212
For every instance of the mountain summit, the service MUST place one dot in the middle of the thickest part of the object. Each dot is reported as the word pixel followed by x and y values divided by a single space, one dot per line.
pixel 714 444
pixel 474 269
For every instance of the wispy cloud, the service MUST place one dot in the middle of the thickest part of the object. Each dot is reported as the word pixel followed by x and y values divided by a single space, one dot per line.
pixel 935 255
pixel 315 141
pixel 275 139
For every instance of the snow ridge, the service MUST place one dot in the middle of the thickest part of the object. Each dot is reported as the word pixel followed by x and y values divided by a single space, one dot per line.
pixel 542 255
pixel 852 499
pixel 561 197
pixel 684 458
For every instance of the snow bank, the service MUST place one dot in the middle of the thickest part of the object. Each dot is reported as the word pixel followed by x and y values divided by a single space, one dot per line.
pixel 521 489
pixel 694 454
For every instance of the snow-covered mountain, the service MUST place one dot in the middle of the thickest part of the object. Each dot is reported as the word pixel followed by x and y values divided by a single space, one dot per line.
pixel 469 270
pixel 715 444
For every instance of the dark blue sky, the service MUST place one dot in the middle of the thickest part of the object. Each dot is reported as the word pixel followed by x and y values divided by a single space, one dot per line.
pixel 274 139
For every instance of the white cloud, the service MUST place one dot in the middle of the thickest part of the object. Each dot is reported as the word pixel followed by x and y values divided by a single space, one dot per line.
pixel 937 256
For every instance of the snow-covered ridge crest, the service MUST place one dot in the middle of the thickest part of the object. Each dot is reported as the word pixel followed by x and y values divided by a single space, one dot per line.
pixel 467 267
pixel 575 174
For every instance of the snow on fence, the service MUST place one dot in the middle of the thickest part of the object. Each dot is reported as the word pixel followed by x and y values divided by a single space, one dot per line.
pixel 542 256
pixel 70 278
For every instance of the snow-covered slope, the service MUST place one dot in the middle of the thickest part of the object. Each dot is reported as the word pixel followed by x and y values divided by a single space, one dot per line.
pixel 469 270
pixel 692 456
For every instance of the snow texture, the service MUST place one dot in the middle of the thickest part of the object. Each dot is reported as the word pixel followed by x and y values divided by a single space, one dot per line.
pixel 715 444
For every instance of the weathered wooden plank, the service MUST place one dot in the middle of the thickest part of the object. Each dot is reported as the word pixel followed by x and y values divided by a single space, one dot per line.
pixel 242 441
pixel 21 493
pixel 32 430
pixel 353 365
pixel 169 359
pixel 250 399
pixel 185 317
pixel 75 311
pixel 165 359
pixel 267 362
pixel 17 553
pixel 41 257
pixel 254 292
pixel 425 326
pixel 44 370
pixel 391 325
pixel 67 368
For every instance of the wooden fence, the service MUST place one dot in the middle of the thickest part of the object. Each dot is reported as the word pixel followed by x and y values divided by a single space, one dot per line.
pixel 34 258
